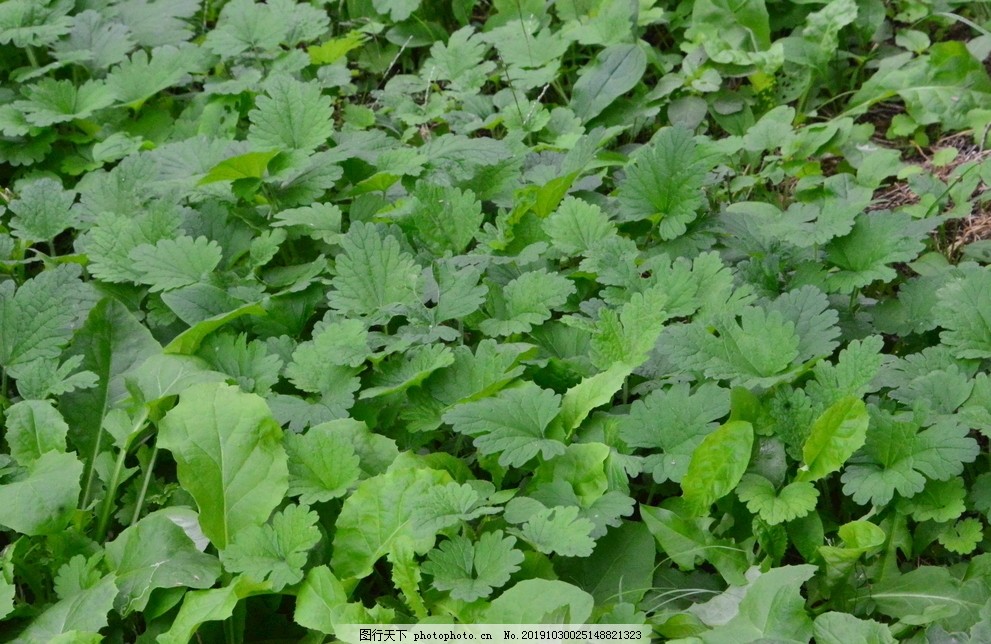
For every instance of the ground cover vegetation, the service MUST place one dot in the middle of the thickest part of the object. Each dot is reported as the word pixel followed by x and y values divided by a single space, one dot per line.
pixel 654 312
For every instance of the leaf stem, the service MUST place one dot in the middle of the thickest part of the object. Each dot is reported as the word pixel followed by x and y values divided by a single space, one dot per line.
pixel 103 523
pixel 149 472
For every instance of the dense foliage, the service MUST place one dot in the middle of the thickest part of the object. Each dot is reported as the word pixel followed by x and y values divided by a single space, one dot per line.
pixel 606 311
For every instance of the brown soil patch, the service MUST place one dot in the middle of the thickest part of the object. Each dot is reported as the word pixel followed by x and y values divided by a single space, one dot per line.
pixel 957 233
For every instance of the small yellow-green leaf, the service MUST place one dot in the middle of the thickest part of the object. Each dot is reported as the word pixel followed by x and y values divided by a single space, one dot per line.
pixel 187 342
pixel 245 166
pixel 590 393
pixel 336 48
pixel 836 435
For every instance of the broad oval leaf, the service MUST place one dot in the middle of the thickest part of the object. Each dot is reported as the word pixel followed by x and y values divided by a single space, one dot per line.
pixel 718 464
pixel 617 70
pixel 532 601
pixel 157 553
pixel 230 458
pixel 42 501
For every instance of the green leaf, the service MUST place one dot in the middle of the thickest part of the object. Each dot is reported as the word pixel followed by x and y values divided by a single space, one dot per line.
pixel 7 592
pixel 590 393
pixel 249 363
pixel 199 606
pixel 470 376
pixel 275 553
pixel 26 23
pixel 37 320
pixel 759 349
pixel 852 374
pixel 559 530
pixel 964 312
pixel 76 575
pixel 44 379
pixel 815 322
pixel 531 601
pixel 717 464
pixel 793 501
pixel 251 165
pixel 376 452
pixel 329 52
pixel 735 33
pixel 162 375
pixel 42 210
pixel 925 595
pixel 940 501
pixel 111 343
pixel 897 456
pixel 525 302
pixel 940 87
pixel 141 76
pixel 513 424
pixel 172 263
pixel 620 569
pixel 664 183
pixel 450 505
pixel 85 611
pixel 576 226
pixel 291 116
pixel 876 242
pixel 108 244
pixel 686 540
pixel 318 596
pixel 53 101
pixel 375 278
pixel 860 538
pixel 772 609
pixel 962 537
pixel 616 70
pixel 455 292
pixel 34 428
pixel 322 464
pixel 842 628
pixel 443 218
pixel 472 571
pixel 156 553
pixel 153 24
pixel 674 421
pixel 98 41
pixel 397 10
pixel 320 221
pixel 839 432
pixel 411 369
pixel 629 335
pixel 229 455
pixel 245 25
pixel 188 342
pixel 379 513
pixel 43 499
pixel 460 61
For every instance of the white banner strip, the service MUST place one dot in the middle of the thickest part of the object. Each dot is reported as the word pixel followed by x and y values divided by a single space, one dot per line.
pixel 494 633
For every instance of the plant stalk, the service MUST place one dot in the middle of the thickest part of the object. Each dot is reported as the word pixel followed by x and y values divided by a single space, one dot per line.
pixel 106 510
pixel 149 472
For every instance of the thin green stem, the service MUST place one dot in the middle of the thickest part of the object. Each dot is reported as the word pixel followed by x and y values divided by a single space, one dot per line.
pixel 106 510
pixel 149 473
pixel 89 474
pixel 108 501
pixel 32 57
